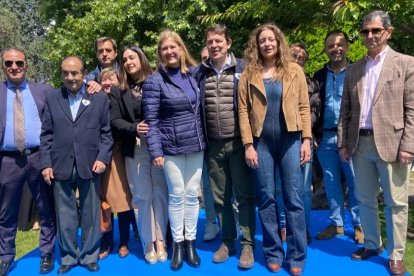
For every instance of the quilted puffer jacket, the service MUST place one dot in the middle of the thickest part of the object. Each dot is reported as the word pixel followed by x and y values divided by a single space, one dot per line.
pixel 175 126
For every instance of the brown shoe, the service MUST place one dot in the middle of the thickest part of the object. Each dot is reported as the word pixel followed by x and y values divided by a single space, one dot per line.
pixel 273 267
pixel 330 232
pixel 123 251
pixel 397 267
pixel 246 259
pixel 364 253
pixel 222 254
pixel 358 235
pixel 296 271
pixel 283 234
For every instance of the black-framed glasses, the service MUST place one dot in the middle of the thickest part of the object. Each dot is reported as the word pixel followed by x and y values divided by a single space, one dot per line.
pixel 374 31
pixel 9 63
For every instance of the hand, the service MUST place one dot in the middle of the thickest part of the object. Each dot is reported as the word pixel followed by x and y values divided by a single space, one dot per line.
pixel 250 155
pixel 48 175
pixel 93 87
pixel 406 158
pixel 98 167
pixel 142 128
pixel 305 151
pixel 344 154
pixel 158 162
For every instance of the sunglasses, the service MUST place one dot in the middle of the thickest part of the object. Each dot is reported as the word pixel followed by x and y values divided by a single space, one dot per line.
pixel 9 63
pixel 374 31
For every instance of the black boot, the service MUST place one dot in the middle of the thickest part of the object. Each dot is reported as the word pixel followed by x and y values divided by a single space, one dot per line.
pixel 191 253
pixel 178 256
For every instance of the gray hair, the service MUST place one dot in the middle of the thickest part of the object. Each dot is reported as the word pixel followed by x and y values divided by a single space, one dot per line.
pixel 384 17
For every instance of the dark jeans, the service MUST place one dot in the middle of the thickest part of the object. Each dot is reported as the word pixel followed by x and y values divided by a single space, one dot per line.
pixel 228 171
pixel 286 156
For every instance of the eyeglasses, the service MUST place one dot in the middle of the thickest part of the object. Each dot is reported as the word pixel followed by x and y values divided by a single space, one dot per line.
pixel 9 63
pixel 374 31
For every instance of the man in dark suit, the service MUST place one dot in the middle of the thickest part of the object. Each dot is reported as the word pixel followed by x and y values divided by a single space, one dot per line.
pixel 21 109
pixel 75 148
pixel 376 130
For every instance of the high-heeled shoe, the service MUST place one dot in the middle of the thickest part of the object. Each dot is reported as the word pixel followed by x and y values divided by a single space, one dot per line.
pixel 191 253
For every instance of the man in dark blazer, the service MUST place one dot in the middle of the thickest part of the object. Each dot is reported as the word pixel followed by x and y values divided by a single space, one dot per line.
pixel 75 148
pixel 20 159
pixel 376 130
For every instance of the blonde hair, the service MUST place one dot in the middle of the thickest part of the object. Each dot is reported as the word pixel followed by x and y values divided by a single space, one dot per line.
pixel 255 60
pixel 186 59
pixel 108 72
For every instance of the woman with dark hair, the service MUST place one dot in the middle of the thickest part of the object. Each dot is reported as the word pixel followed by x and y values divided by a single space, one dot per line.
pixel 147 182
pixel 275 127
pixel 171 103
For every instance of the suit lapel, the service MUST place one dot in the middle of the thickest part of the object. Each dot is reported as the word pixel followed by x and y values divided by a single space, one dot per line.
pixel 36 98
pixel 3 103
pixel 386 73
pixel 360 79
pixel 64 103
pixel 85 102
pixel 127 99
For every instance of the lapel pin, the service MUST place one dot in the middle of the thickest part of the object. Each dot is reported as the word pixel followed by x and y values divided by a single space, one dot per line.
pixel 86 102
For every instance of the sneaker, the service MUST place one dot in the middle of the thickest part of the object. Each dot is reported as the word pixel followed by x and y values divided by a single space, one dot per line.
pixel 330 232
pixel 211 231
pixel 358 235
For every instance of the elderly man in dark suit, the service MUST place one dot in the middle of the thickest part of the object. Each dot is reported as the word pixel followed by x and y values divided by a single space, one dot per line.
pixel 21 109
pixel 376 130
pixel 75 148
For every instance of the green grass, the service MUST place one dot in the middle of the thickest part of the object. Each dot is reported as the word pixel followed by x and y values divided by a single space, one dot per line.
pixel 28 240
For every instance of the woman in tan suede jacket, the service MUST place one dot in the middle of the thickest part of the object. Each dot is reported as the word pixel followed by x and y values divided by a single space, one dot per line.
pixel 275 124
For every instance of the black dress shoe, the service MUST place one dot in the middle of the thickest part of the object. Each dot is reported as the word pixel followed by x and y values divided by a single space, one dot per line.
pixel 178 256
pixel 6 267
pixel 46 263
pixel 364 253
pixel 92 267
pixel 65 268
pixel 191 253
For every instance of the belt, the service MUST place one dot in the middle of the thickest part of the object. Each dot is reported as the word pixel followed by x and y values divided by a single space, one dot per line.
pixel 366 132
pixel 24 152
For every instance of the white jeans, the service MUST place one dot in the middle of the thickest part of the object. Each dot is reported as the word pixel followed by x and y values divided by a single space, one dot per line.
pixel 183 175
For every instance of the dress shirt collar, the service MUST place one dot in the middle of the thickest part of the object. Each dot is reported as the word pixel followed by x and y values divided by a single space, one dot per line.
pixel 81 91
pixel 378 57
pixel 12 86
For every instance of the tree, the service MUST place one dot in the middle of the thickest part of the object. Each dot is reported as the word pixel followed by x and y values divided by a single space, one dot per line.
pixel 27 32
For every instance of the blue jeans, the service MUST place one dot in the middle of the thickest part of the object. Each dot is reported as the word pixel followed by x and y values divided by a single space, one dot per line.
pixel 307 193
pixel 286 156
pixel 332 167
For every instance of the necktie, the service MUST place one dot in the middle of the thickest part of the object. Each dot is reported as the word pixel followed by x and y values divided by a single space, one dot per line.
pixel 18 122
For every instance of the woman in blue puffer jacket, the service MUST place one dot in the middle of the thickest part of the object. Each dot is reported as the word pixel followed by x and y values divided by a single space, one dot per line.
pixel 171 105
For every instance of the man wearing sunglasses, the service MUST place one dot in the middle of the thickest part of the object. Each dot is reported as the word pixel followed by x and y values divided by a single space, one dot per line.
pixel 21 109
pixel 376 131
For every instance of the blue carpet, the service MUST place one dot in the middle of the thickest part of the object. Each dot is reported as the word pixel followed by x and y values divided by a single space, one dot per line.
pixel 330 257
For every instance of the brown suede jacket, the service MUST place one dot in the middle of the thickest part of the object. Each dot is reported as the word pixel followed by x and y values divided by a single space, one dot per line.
pixel 253 104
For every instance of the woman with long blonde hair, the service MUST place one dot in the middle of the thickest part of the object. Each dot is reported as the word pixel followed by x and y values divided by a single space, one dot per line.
pixel 171 104
pixel 274 117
